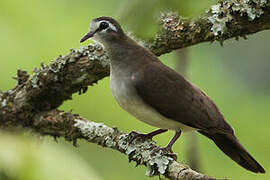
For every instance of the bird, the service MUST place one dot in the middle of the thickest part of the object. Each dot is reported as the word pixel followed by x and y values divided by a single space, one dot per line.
pixel 159 96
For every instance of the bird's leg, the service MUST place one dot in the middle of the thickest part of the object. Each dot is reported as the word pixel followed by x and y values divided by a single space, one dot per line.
pixel 146 136
pixel 156 132
pixel 168 148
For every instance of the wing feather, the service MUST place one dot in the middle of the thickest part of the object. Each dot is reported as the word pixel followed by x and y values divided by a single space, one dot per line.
pixel 174 97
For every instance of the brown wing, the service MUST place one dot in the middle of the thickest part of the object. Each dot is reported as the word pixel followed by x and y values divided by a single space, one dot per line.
pixel 174 97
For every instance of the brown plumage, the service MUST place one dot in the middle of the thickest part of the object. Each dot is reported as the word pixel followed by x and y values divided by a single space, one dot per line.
pixel 159 96
pixel 176 98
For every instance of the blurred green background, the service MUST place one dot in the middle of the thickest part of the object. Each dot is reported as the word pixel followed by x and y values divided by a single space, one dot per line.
pixel 236 76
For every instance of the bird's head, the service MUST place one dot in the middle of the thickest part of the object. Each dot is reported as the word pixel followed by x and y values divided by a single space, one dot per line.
pixel 104 29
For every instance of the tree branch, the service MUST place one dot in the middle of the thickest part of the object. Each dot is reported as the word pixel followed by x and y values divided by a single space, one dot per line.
pixel 33 101
pixel 51 85
pixel 225 20
pixel 144 152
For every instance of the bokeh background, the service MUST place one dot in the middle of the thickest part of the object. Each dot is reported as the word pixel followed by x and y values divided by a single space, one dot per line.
pixel 236 76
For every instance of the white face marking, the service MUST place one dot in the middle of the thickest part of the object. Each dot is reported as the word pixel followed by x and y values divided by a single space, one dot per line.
pixel 95 25
pixel 112 26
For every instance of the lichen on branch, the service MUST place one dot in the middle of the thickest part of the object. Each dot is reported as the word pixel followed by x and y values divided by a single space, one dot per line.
pixel 223 13
pixel 224 20
pixel 50 85
pixel 144 152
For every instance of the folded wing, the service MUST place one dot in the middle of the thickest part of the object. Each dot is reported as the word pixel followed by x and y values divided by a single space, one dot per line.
pixel 174 97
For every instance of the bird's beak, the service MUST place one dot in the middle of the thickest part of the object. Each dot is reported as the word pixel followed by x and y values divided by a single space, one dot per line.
pixel 87 36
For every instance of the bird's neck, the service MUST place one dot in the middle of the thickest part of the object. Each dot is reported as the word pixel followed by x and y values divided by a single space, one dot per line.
pixel 127 56
pixel 116 45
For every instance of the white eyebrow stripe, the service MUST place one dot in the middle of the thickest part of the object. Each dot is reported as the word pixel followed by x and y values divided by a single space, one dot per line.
pixel 110 25
pixel 93 26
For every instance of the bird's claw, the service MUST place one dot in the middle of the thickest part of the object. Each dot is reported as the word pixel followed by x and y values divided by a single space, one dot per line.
pixel 167 151
pixel 134 135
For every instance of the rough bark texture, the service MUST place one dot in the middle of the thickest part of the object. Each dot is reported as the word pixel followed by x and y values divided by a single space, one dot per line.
pixel 32 103
pixel 51 85
pixel 144 152
pixel 225 20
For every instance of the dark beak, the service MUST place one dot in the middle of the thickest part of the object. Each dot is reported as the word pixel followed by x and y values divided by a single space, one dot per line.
pixel 87 36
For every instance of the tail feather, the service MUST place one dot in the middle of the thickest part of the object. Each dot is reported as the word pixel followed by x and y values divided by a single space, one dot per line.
pixel 230 145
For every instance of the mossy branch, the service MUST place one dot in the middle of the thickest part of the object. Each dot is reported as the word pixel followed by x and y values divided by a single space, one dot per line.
pixel 32 103
pixel 225 20
pixel 51 85
pixel 144 152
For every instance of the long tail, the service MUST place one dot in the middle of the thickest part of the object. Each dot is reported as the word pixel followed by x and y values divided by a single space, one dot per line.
pixel 230 145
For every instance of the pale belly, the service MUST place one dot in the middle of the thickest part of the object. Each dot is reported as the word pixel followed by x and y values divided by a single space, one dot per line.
pixel 130 102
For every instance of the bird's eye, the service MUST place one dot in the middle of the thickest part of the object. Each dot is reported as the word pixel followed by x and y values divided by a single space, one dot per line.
pixel 103 25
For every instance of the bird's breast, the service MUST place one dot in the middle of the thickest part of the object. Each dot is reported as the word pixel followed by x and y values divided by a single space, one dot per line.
pixel 125 94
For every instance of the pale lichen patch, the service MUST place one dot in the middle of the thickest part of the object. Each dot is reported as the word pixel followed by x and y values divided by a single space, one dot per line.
pixel 109 142
pixel 60 62
pixel 145 152
pixel 4 102
pixel 158 161
pixel 218 21
pixel 123 142
pixel 92 130
pixel 34 80
pixel 97 53
pixel 222 13
pixel 140 150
